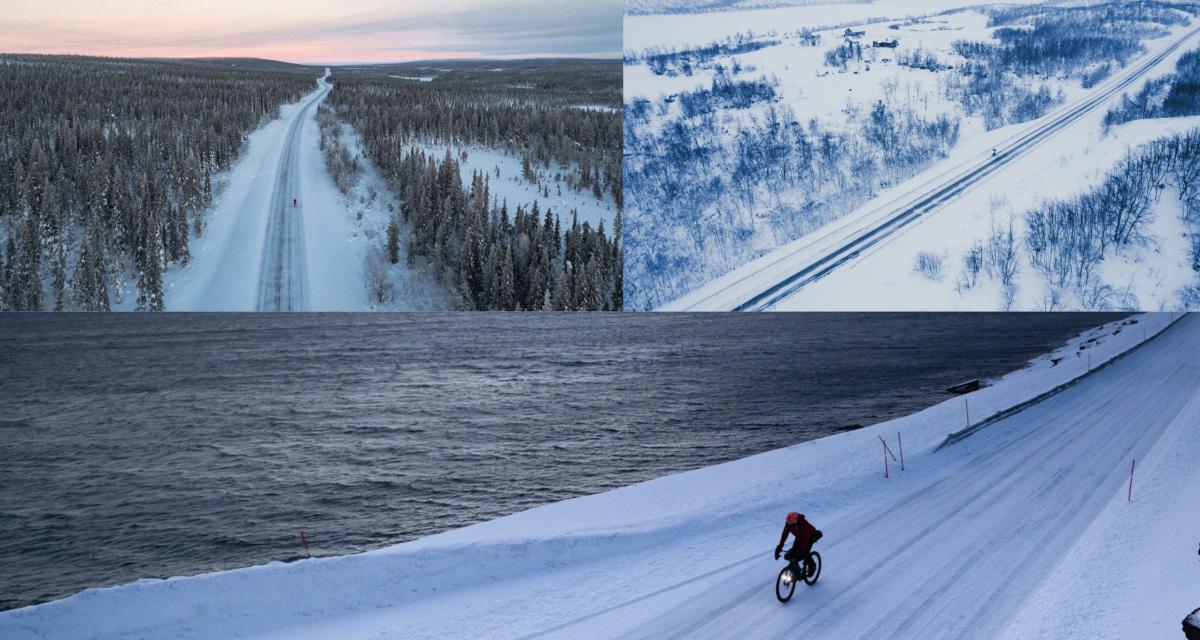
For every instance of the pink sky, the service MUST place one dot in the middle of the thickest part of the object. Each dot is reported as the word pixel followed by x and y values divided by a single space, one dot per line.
pixel 314 30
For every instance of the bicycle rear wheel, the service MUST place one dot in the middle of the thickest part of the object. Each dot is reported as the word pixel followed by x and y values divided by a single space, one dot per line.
pixel 812 568
pixel 785 584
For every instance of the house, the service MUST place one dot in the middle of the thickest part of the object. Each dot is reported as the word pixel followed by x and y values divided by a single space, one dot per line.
pixel 854 34
pixel 886 44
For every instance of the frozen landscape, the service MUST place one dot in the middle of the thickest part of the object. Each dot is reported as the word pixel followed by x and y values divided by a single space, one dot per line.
pixel 241 185
pixel 856 156
pixel 1013 502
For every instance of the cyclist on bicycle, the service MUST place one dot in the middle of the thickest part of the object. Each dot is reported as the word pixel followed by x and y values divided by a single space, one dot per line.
pixel 805 535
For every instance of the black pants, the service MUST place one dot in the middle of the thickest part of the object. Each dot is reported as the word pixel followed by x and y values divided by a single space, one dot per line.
pixel 798 553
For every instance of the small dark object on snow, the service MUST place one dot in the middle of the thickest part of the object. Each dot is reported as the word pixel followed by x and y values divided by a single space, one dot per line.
pixel 965 387
pixel 1191 626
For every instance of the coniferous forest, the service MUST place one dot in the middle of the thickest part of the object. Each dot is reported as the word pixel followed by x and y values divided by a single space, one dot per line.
pixel 106 167
pixel 551 114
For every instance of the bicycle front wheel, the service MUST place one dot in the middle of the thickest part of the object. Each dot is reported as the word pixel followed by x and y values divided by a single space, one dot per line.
pixel 785 584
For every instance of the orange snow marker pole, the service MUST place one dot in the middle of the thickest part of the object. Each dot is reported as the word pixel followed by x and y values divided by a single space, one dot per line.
pixel 967 408
pixel 901 443
pixel 305 541
pixel 887 451
pixel 1132 463
pixel 885 465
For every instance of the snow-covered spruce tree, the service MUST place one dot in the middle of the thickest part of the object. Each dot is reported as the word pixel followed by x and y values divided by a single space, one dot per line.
pixel 87 165
pixel 489 256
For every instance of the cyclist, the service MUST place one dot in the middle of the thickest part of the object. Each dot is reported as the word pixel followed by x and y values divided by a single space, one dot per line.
pixel 294 202
pixel 806 535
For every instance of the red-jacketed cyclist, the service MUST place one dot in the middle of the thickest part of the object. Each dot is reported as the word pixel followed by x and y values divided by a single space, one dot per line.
pixel 805 535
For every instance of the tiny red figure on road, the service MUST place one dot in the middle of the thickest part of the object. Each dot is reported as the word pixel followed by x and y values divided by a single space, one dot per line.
pixel 294 202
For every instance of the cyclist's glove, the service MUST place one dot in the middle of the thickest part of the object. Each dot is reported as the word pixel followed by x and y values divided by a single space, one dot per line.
pixel 778 550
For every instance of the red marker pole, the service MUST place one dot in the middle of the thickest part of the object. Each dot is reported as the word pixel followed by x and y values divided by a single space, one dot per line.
pixel 1132 463
pixel 967 408
pixel 886 449
pixel 885 465
pixel 901 443
pixel 305 541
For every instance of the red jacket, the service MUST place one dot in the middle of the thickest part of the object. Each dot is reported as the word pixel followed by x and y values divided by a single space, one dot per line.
pixel 803 531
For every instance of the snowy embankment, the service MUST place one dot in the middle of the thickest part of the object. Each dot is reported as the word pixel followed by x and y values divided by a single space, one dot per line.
pixel 687 553
pixel 368 207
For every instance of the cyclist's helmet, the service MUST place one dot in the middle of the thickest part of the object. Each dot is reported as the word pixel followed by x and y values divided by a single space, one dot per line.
pixel 793 517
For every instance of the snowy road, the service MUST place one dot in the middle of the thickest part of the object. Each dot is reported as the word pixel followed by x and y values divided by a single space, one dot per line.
pixel 782 274
pixel 258 251
pixel 955 553
pixel 281 280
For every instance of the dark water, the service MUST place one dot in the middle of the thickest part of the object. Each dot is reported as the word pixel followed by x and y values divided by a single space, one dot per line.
pixel 138 445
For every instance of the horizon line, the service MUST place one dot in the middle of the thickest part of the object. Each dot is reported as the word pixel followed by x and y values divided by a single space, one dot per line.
pixel 503 58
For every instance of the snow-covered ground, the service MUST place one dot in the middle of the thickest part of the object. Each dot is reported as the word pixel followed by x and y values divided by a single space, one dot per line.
pixel 1074 161
pixel 1021 529
pixel 368 207
pixel 1150 275
pixel 511 186
pixel 687 30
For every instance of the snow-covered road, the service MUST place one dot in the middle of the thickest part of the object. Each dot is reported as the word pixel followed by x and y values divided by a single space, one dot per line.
pixel 257 250
pixel 781 275
pixel 983 538
pixel 955 552
pixel 281 283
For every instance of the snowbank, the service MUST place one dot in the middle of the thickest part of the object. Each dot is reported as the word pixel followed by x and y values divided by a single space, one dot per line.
pixel 390 592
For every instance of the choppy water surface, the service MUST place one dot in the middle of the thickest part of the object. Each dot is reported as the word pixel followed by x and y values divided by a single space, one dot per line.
pixel 157 445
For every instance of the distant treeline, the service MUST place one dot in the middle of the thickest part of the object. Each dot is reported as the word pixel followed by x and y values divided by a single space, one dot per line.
pixel 564 112
pixel 686 62
pixel 106 167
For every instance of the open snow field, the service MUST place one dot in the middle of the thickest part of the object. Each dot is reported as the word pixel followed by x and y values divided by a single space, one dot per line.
pixel 683 30
pixel 1007 532
pixel 1153 274
pixel 511 186
pixel 884 278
